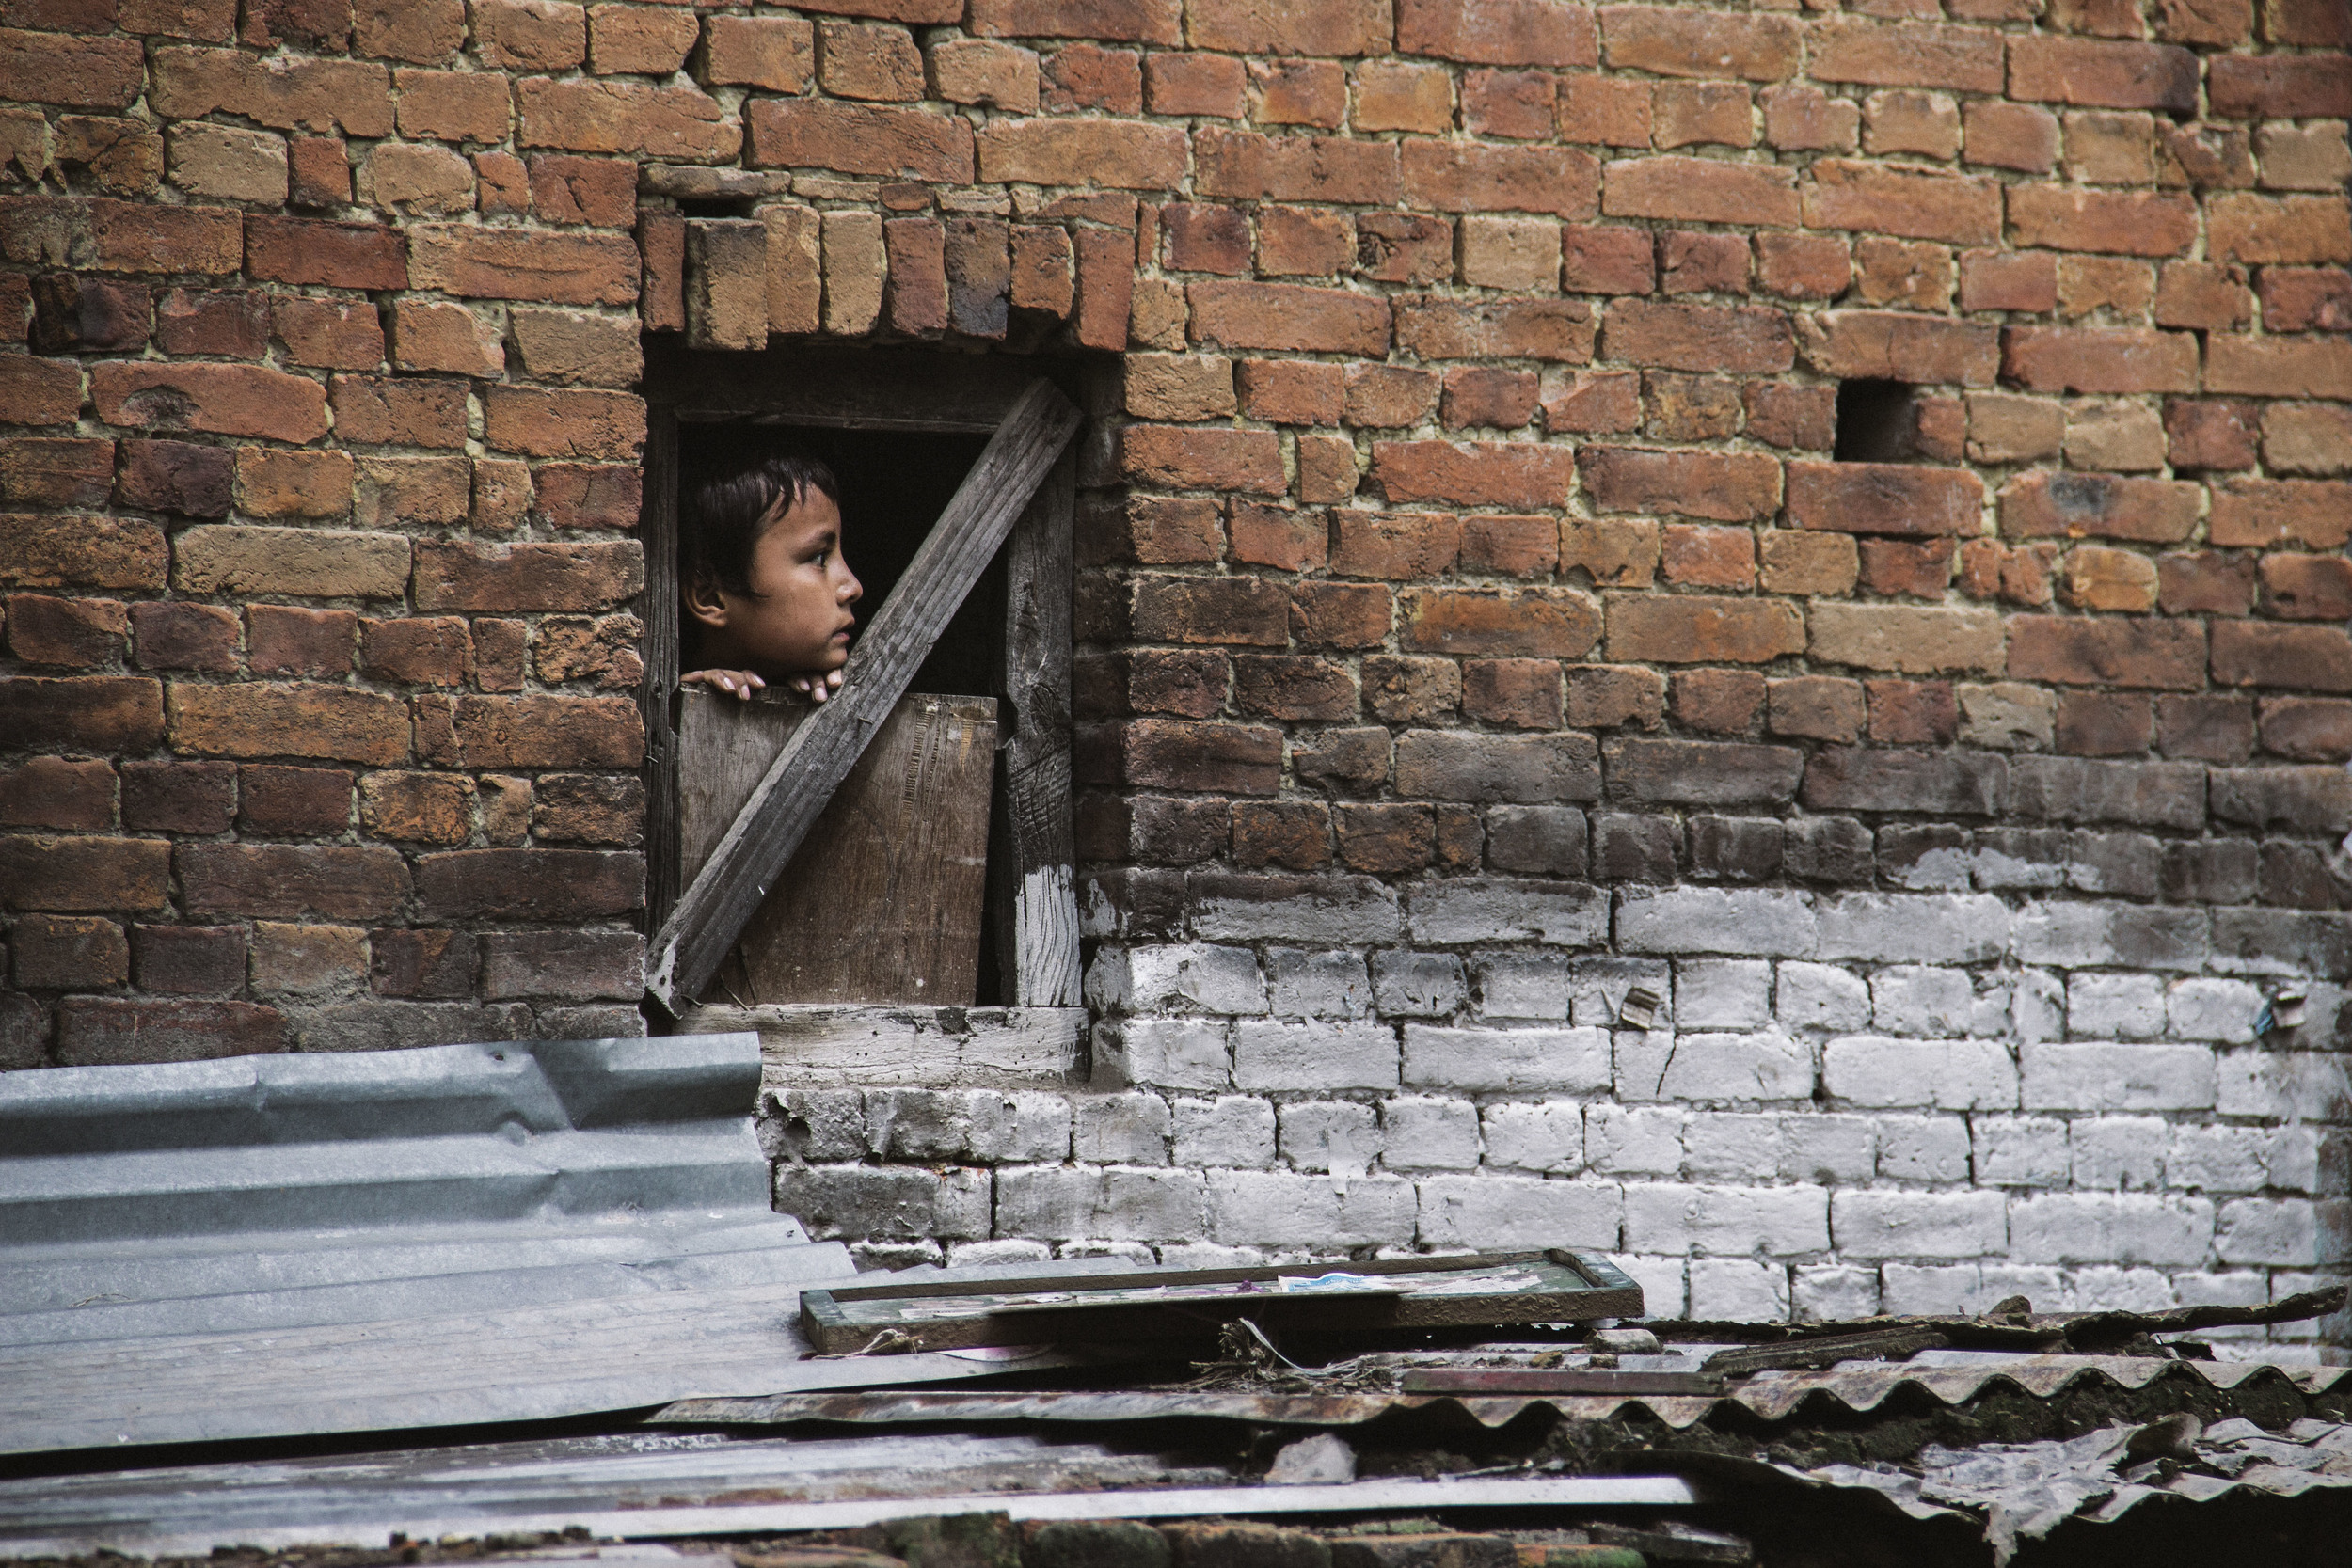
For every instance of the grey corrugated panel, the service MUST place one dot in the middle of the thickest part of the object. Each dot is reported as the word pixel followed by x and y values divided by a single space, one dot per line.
pixel 649 1485
pixel 271 1245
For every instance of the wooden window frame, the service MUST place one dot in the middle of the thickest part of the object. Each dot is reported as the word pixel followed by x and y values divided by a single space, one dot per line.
pixel 1018 499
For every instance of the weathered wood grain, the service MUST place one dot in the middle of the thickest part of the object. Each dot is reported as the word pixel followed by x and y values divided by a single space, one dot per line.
pixel 711 912
pixel 1034 885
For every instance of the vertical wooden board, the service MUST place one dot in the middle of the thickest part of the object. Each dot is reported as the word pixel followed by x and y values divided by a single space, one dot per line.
pixel 658 610
pixel 882 901
pixel 1035 913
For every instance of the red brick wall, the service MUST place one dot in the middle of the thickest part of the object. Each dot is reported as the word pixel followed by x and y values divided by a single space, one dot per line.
pixel 1476 412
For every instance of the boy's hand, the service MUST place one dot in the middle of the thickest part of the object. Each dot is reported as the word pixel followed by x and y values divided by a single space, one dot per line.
pixel 817 685
pixel 739 683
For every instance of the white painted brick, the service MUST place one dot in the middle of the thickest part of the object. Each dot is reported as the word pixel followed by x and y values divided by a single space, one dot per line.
pixel 1713 1066
pixel 1738 1289
pixel 1723 994
pixel 2037 1008
pixel 2282 1232
pixel 972 1255
pixel 1121 1130
pixel 1545 1135
pixel 918 1126
pixel 1211 1255
pixel 1917 1225
pixel 2211 1009
pixel 2118 1153
pixel 2103 1289
pixel 1752 921
pixel 1183 978
pixel 810 1126
pixel 1331 912
pixel 1522 985
pixel 2293 1161
pixel 1500 1213
pixel 1909 1000
pixel 1418 984
pixel 1727 1222
pixel 1943 1075
pixel 1915 928
pixel 1137 1253
pixel 1924 1149
pixel 1466 910
pixel 2114 1006
pixel 1329 1135
pixel 2110 1227
pixel 1828 1147
pixel 1822 996
pixel 1421 1133
pixel 1020 1126
pixel 1663 1292
pixel 1833 1293
pixel 885 1203
pixel 1619 1141
pixel 1732 1146
pixel 1232 1130
pixel 1109 1202
pixel 2081 935
pixel 1268 1054
pixel 1597 986
pixel 2019 1151
pixel 1283 1209
pixel 1162 1054
pixel 2117 1077
pixel 1318 985
pixel 891 1257
pixel 1936 1290
pixel 1989 1014
pixel 2247 1287
pixel 1511 1061
pixel 2283 1085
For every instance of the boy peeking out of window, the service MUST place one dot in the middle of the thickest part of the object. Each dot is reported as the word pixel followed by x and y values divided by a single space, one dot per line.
pixel 768 595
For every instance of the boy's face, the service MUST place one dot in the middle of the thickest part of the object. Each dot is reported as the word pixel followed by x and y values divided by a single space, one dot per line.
pixel 799 618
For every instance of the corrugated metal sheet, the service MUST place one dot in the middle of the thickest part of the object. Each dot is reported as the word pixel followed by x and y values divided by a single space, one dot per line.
pixel 1949 1377
pixel 269 1245
pixel 649 1485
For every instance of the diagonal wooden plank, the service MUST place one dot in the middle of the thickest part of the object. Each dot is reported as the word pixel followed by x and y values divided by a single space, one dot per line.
pixel 688 948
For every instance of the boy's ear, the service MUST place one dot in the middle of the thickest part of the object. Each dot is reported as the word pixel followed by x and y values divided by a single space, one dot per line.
pixel 705 603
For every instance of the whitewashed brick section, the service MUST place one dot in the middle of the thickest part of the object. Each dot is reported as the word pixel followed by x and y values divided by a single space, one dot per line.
pixel 1545 1135
pixel 1471 910
pixel 1697 1067
pixel 2211 1009
pixel 1926 1149
pixel 1910 1000
pixel 1329 1135
pixel 1723 994
pixel 1735 1146
pixel 1273 1054
pixel 1918 1224
pixel 2112 1290
pixel 1522 985
pixel 2218 1159
pixel 1418 984
pixel 2117 1077
pixel 1506 1061
pixel 1745 921
pixel 1282 1210
pixel 1510 1211
pixel 1189 978
pixel 2284 1085
pixel 1967 1288
pixel 813 1125
pixel 1318 985
pixel 1111 1202
pixel 1232 1130
pixel 2110 1227
pixel 1335 911
pixel 1906 928
pixel 1418 1133
pixel 1727 1222
pixel 1623 1141
pixel 1121 1130
pixel 1738 1289
pixel 1162 1054
pixel 2115 1006
pixel 1665 1295
pixel 2019 1151
pixel 2037 1008
pixel 1597 989
pixel 1822 996
pixel 1024 1126
pixel 1828 1147
pixel 2282 1232
pixel 1943 1075
pixel 2118 1153
pixel 1833 1293
pixel 2075 935
pixel 2295 1159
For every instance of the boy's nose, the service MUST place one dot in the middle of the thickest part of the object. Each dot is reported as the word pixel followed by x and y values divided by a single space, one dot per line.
pixel 852 590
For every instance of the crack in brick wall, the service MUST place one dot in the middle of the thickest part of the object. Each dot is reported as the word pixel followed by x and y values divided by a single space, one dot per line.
pixel 1474 620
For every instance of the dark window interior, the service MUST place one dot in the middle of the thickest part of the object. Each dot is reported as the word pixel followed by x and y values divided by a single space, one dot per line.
pixel 1878 421
pixel 894 486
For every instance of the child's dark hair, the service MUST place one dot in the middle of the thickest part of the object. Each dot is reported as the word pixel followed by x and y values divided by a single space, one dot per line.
pixel 721 515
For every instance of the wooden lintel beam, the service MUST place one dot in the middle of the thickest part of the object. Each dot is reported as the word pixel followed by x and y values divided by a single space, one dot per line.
pixel 712 913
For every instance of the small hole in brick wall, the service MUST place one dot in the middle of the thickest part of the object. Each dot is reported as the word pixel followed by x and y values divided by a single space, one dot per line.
pixel 715 206
pixel 1878 421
